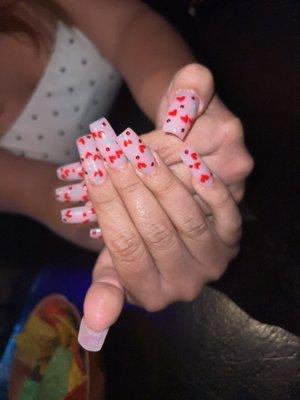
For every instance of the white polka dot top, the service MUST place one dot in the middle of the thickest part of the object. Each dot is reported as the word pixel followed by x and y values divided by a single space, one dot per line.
pixel 78 86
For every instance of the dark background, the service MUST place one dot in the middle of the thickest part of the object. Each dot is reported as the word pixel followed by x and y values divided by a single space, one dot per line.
pixel 251 48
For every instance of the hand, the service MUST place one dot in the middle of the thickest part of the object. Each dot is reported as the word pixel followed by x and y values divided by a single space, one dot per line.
pixel 160 246
pixel 49 215
pixel 216 134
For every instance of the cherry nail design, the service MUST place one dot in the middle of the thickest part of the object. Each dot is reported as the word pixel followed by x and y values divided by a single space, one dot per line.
pixel 91 159
pixel 136 152
pixel 70 172
pixel 72 193
pixel 96 233
pixel 196 166
pixel 106 141
pixel 79 215
pixel 182 113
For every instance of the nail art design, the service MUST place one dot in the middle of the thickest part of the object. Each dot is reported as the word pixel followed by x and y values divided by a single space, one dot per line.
pixel 106 142
pixel 79 215
pixel 196 166
pixel 137 153
pixel 96 233
pixel 72 193
pixel 70 172
pixel 182 113
pixel 91 159
pixel 89 339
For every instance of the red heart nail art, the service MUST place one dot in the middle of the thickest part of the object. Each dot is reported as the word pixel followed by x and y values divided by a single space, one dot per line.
pixel 88 154
pixel 194 156
pixel 112 159
pixel 127 142
pixel 81 141
pixel 197 165
pixel 68 214
pixel 185 119
pixel 180 98
pixel 141 165
pixel 204 178
pixel 173 113
pixel 142 148
pixel 119 153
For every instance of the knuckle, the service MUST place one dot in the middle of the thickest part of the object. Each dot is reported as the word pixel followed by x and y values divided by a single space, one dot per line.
pixel 223 199
pixel 194 227
pixel 159 235
pixel 127 248
pixel 166 185
pixel 238 194
pixel 154 304
pixel 191 293
pixel 129 187
pixel 246 165
pixel 195 69
pixel 232 129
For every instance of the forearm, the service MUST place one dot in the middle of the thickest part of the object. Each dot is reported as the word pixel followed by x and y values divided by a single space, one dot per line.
pixel 141 44
pixel 148 56
pixel 24 184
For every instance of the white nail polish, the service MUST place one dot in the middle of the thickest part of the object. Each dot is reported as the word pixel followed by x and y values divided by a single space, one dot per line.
pixel 89 339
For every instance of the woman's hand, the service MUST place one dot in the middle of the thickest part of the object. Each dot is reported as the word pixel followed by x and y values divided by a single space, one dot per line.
pixel 160 247
pixel 207 125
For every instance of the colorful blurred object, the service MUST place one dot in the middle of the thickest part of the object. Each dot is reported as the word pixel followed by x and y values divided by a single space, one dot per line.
pixel 49 363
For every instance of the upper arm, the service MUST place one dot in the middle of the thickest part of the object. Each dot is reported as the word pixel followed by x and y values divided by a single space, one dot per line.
pixel 106 21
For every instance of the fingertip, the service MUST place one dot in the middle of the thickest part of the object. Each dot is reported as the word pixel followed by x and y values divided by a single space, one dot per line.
pixel 89 339
pixel 103 304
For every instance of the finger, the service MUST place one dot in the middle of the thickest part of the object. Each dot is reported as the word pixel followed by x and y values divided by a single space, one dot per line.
pixel 96 233
pixel 226 216
pixel 131 257
pixel 70 172
pixel 180 206
pixel 103 304
pixel 156 229
pixel 72 193
pixel 79 215
pixel 188 97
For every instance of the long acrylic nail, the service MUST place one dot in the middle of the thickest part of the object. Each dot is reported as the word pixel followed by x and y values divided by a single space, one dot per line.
pixel 137 153
pixel 181 113
pixel 91 160
pixel 72 193
pixel 70 172
pixel 96 233
pixel 196 166
pixel 79 215
pixel 106 141
pixel 89 339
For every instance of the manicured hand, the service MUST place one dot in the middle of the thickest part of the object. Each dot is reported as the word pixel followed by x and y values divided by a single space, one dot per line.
pixel 191 111
pixel 160 246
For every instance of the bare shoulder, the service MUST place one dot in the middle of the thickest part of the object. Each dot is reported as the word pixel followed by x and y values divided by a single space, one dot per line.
pixel 21 66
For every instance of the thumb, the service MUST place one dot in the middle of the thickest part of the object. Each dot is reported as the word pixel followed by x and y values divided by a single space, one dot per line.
pixel 188 96
pixel 102 306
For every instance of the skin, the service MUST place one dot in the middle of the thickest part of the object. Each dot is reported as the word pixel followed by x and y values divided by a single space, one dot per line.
pixel 160 246
pixel 153 72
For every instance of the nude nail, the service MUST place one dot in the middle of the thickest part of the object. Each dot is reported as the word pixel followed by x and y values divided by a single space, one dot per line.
pixel 96 233
pixel 91 340
pixel 136 152
pixel 70 172
pixel 181 113
pixel 106 142
pixel 79 215
pixel 91 159
pixel 196 166
pixel 72 193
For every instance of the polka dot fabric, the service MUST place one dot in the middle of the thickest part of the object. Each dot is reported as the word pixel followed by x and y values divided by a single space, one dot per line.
pixel 77 86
